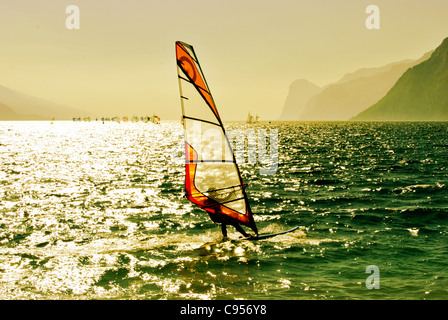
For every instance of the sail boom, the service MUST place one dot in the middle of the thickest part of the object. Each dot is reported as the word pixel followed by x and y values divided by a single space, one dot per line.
pixel 226 188
pixel 224 203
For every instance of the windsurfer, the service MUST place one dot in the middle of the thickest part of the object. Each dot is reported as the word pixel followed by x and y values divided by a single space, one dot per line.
pixel 218 217
pixel 212 179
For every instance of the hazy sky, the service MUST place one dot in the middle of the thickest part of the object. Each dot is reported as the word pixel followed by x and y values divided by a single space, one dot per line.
pixel 121 60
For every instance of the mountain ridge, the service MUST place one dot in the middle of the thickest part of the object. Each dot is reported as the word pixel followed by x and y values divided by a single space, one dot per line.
pixel 421 93
pixel 300 91
pixel 27 107
pixel 351 94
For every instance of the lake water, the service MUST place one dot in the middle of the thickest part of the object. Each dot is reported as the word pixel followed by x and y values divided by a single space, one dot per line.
pixel 96 211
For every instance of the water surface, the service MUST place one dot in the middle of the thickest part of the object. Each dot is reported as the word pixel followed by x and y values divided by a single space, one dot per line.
pixel 96 211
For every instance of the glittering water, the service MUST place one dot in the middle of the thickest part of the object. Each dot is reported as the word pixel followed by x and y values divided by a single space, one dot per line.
pixel 92 210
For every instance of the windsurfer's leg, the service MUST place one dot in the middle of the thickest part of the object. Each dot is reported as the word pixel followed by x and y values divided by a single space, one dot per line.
pixel 224 230
pixel 241 230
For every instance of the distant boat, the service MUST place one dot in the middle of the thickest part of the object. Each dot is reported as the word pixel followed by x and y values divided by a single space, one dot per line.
pixel 252 119
pixel 155 119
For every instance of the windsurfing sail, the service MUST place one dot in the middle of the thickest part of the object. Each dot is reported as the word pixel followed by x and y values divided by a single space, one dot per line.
pixel 212 177
pixel 155 119
pixel 250 118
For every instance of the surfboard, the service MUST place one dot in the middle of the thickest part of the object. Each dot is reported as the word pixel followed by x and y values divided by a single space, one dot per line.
pixel 270 235
pixel 215 247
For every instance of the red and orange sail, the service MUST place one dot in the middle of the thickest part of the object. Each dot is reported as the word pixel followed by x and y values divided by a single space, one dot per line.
pixel 212 178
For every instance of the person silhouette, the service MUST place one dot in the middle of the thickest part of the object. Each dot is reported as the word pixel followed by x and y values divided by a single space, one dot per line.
pixel 218 217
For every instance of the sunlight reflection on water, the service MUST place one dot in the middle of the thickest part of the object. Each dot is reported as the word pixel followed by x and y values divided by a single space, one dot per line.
pixel 91 211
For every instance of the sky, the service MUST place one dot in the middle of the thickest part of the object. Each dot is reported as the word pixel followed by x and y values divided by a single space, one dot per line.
pixel 121 60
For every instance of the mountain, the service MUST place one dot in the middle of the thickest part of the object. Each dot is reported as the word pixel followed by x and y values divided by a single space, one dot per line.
pixel 355 91
pixel 421 93
pixel 6 113
pixel 368 72
pixel 27 107
pixel 300 91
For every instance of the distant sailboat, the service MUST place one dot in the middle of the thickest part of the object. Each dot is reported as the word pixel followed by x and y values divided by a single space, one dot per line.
pixel 155 119
pixel 212 178
pixel 252 119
